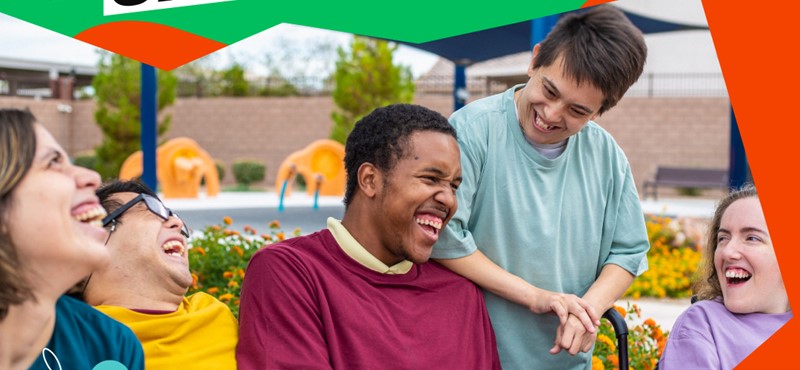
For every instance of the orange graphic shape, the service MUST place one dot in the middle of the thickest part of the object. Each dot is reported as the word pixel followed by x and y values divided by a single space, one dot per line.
pixel 155 44
pixel 589 3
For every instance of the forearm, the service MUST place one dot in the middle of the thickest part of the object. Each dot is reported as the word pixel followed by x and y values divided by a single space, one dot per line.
pixel 482 271
pixel 609 286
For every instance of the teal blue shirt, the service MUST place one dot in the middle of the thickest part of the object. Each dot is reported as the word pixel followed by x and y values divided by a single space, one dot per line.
pixel 86 339
pixel 554 223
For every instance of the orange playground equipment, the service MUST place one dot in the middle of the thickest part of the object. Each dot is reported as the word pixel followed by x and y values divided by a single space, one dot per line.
pixel 321 164
pixel 181 164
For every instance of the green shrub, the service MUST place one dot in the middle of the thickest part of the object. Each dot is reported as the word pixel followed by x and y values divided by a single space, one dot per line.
pixel 85 159
pixel 248 171
pixel 220 169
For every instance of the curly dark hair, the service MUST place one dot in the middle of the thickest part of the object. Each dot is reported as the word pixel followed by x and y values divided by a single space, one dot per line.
pixel 599 46
pixel 382 138
pixel 17 150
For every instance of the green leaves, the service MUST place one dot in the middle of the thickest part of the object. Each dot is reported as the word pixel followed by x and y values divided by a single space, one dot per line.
pixel 366 78
pixel 118 94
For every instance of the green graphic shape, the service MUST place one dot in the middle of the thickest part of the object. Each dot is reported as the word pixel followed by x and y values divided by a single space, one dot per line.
pixel 228 22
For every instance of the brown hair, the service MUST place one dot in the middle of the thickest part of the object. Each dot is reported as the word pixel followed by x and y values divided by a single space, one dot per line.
pixel 17 149
pixel 599 46
pixel 707 286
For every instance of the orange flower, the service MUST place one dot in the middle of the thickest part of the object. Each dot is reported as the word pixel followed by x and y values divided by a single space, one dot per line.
pixel 200 250
pixel 227 274
pixel 233 284
pixel 267 237
pixel 194 281
pixel 597 363
pixel 240 272
pixel 249 230
pixel 280 236
pixel 238 250
pixel 216 228
pixel 274 224
pixel 226 297
pixel 227 220
pixel 212 290
pixel 236 302
pixel 297 232
pixel 614 360
pixel 650 322
pixel 620 310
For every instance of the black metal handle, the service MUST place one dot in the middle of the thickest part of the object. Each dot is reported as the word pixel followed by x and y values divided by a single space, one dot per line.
pixel 621 332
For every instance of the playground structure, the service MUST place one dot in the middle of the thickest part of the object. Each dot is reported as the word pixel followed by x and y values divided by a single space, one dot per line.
pixel 181 165
pixel 321 165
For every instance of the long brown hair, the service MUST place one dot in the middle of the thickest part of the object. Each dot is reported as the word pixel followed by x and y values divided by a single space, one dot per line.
pixel 17 149
pixel 707 286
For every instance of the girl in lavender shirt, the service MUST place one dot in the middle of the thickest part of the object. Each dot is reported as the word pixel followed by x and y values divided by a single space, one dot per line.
pixel 742 299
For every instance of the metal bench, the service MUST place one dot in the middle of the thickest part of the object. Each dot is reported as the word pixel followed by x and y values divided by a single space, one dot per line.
pixel 678 177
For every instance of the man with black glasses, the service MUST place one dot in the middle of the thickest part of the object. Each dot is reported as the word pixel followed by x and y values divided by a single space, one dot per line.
pixel 144 285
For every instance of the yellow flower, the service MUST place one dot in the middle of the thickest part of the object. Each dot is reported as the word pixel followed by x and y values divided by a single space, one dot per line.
pixel 607 341
pixel 597 363
pixel 212 290
pixel 233 284
pixel 226 297
pixel 227 220
pixel 280 236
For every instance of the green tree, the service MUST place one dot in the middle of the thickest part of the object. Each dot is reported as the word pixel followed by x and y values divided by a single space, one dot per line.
pixel 233 81
pixel 117 88
pixel 366 78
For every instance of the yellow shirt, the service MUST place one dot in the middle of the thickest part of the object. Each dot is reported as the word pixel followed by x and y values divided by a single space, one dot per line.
pixel 201 334
pixel 356 251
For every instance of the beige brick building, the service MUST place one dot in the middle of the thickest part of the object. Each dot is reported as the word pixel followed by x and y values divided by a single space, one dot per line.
pixel 692 132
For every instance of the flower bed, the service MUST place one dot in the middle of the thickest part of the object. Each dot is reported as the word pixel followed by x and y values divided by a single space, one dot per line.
pixel 646 342
pixel 673 259
pixel 218 258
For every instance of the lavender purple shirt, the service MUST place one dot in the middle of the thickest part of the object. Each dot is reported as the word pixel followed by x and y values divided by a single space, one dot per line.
pixel 708 336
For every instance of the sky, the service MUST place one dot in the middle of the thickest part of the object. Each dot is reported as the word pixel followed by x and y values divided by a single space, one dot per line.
pixel 305 51
pixel 23 40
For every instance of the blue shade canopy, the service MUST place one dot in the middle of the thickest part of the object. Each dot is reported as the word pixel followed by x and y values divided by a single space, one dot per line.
pixel 514 38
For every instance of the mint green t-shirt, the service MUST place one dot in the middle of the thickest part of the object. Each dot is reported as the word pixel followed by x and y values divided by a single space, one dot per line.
pixel 554 223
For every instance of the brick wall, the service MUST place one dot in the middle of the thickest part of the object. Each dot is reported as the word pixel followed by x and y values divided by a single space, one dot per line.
pixel 652 131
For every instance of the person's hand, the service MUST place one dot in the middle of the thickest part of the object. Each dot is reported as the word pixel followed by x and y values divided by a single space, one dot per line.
pixel 566 305
pixel 573 337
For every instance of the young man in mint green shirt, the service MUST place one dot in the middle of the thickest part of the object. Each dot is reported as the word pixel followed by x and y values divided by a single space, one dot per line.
pixel 548 209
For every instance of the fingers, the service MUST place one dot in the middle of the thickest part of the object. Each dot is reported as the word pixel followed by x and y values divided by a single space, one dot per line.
pixel 583 311
pixel 573 337
pixel 561 310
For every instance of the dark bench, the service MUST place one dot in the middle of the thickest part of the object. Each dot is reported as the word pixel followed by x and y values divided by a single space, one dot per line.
pixel 677 177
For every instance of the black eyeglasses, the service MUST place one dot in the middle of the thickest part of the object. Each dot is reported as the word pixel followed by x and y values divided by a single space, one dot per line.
pixel 153 205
